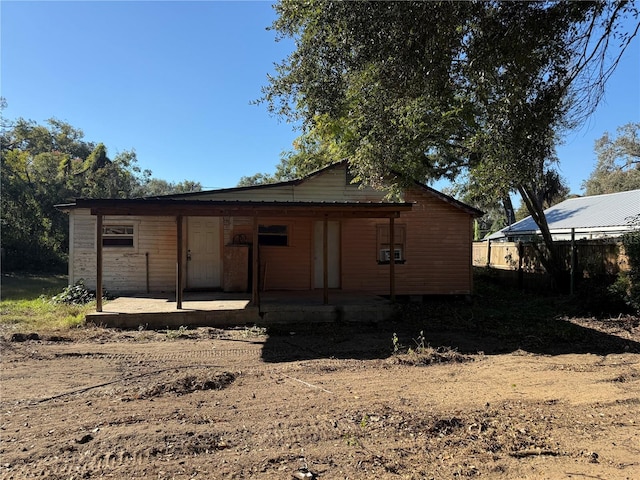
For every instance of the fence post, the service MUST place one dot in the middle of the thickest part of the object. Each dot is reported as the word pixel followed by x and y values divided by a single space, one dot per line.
pixel 488 253
pixel 573 261
pixel 520 271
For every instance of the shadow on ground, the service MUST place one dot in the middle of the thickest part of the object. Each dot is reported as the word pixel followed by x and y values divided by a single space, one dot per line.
pixel 540 325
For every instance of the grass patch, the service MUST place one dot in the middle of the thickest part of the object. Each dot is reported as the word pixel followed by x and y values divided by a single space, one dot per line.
pixel 30 287
pixel 26 304
pixel 41 314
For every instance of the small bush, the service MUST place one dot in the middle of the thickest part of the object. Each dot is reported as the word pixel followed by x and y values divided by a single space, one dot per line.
pixel 76 294
pixel 627 285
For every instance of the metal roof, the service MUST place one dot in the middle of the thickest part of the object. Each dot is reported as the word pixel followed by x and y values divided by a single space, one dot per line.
pixel 170 207
pixel 613 211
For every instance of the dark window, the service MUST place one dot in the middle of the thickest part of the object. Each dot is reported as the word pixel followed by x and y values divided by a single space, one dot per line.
pixel 273 235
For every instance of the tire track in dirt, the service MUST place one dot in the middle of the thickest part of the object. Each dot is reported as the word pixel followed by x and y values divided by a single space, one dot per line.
pixel 301 433
pixel 82 465
pixel 163 356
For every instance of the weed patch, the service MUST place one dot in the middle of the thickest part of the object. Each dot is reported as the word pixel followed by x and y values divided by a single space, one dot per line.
pixel 422 353
pixel 181 332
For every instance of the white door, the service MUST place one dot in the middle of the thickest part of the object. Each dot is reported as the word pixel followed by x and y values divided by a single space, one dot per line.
pixel 333 254
pixel 203 252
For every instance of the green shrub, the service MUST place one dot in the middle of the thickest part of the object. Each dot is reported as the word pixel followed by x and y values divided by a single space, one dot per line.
pixel 77 294
pixel 627 285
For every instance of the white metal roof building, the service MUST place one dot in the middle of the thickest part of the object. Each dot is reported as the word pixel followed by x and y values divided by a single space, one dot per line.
pixel 597 216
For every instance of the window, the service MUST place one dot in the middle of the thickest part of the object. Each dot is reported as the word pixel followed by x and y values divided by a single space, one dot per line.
pixel 384 255
pixel 384 247
pixel 273 235
pixel 117 236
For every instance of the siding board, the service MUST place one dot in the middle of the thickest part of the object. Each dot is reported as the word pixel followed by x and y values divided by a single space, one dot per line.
pixel 125 270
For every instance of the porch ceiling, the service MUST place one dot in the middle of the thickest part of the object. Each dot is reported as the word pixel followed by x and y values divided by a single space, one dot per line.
pixel 223 208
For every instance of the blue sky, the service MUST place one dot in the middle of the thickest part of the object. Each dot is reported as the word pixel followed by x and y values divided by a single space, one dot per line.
pixel 175 80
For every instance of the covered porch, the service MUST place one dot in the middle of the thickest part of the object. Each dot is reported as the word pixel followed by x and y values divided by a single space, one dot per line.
pixel 258 302
pixel 219 309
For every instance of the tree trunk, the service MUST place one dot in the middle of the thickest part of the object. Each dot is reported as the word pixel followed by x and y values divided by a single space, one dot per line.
pixel 509 212
pixel 550 259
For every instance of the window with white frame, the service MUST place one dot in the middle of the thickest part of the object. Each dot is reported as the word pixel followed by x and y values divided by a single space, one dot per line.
pixel 120 236
pixel 384 245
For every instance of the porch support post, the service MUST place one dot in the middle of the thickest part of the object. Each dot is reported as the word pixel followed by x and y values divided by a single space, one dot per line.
pixel 99 263
pixel 325 260
pixel 392 261
pixel 179 266
pixel 255 262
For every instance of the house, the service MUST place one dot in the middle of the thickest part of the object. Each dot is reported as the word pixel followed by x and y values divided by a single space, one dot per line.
pixel 321 232
pixel 594 217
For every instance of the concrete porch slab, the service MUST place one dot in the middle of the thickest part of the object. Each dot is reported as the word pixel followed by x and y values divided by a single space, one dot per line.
pixel 217 309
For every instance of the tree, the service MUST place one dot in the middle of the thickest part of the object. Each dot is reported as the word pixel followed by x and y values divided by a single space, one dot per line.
pixel 258 179
pixel 618 165
pixel 45 165
pixel 440 89
pixel 155 187
pixel 37 174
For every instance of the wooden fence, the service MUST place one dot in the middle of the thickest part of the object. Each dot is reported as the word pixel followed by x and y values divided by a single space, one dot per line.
pixel 520 262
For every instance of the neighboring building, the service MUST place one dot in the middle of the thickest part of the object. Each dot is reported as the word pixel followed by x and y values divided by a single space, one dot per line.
pixel 596 217
pixel 206 240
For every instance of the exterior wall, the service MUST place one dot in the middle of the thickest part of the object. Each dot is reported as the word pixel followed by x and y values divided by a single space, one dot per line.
pixel 290 267
pixel 437 251
pixel 329 185
pixel 125 269
pixel 332 186
pixel 281 267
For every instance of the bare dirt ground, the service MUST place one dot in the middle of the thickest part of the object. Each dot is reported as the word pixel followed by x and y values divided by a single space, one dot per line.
pixel 328 402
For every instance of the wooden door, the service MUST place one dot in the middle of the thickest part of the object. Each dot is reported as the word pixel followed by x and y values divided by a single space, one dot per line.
pixel 203 252
pixel 333 263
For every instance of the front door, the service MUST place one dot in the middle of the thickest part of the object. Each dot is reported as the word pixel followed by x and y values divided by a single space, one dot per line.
pixel 203 252
pixel 333 254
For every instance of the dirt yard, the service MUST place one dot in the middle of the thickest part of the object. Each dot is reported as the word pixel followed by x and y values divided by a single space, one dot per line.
pixel 330 402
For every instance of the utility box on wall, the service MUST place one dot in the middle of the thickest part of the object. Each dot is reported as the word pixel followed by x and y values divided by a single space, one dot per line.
pixel 236 268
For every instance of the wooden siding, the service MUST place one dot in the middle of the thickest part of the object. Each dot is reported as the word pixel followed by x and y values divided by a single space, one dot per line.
pixel 437 244
pixel 125 269
pixel 290 267
pixel 437 251
pixel 330 185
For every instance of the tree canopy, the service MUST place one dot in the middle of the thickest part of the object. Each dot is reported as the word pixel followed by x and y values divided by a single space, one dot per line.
pixel 45 165
pixel 618 165
pixel 442 89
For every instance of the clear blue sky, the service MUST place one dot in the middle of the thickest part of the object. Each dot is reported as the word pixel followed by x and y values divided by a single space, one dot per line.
pixel 175 80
